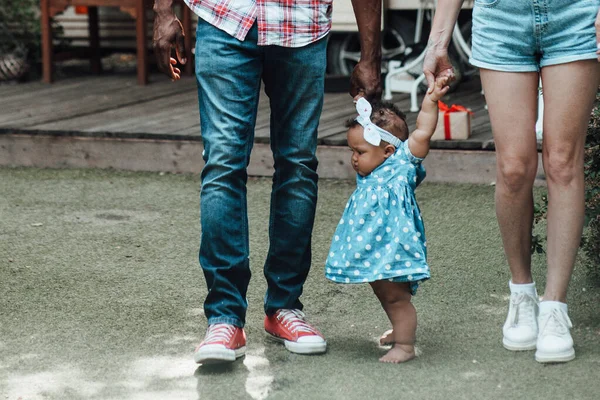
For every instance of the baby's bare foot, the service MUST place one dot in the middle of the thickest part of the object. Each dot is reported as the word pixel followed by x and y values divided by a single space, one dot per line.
pixel 387 338
pixel 399 353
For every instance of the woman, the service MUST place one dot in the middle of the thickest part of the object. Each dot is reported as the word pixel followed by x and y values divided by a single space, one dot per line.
pixel 515 42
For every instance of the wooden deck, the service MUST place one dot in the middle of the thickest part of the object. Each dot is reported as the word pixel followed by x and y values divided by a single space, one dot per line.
pixel 111 122
pixel 114 106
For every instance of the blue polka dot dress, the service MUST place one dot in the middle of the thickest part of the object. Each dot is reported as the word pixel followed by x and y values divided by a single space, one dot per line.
pixel 381 233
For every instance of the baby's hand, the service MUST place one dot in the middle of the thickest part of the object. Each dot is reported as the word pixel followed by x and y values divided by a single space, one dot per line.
pixel 440 88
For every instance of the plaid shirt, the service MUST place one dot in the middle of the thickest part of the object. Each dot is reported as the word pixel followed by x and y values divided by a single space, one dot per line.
pixel 288 23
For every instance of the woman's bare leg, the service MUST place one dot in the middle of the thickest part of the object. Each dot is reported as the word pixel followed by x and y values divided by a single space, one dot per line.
pixel 569 93
pixel 512 105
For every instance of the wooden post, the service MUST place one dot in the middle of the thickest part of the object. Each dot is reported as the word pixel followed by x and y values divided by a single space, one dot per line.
pixel 142 56
pixel 47 66
pixel 187 28
pixel 94 35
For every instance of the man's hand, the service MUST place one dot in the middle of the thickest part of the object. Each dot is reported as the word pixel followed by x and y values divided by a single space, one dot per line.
pixel 437 64
pixel 366 77
pixel 366 81
pixel 168 33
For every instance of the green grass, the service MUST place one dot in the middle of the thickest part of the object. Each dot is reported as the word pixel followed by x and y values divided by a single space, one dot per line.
pixel 103 300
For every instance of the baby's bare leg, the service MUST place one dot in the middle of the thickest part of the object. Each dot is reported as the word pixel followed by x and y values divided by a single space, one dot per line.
pixel 395 299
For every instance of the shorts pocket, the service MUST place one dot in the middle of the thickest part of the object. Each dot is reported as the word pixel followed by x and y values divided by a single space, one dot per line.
pixel 486 3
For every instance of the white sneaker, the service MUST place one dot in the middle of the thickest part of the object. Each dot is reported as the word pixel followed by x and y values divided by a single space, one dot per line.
pixel 554 343
pixel 520 331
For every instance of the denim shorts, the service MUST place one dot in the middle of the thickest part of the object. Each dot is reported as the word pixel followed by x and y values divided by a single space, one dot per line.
pixel 526 35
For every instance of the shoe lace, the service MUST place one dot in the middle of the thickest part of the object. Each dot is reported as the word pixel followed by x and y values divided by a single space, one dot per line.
pixel 555 323
pixel 525 315
pixel 294 320
pixel 219 333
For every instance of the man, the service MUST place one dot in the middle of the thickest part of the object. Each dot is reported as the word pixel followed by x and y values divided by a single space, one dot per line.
pixel 240 43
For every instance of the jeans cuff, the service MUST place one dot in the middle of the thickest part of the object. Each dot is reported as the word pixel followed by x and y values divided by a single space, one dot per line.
pixel 226 320
pixel 269 311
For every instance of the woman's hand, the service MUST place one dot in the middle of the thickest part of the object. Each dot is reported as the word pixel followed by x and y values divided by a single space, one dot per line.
pixel 437 65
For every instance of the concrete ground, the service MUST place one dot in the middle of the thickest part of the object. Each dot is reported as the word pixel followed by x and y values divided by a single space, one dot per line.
pixel 101 298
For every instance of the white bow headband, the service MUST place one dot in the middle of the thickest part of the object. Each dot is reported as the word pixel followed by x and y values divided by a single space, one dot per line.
pixel 373 133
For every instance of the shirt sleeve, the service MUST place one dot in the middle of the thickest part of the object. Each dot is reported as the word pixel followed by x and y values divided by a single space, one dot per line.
pixel 408 155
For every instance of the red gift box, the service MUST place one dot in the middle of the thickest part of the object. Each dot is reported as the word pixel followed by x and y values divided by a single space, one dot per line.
pixel 454 123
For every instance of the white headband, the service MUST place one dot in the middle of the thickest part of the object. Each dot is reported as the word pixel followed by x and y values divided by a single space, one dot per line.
pixel 373 133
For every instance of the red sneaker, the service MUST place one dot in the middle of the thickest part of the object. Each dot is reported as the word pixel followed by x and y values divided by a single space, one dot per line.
pixel 290 327
pixel 222 343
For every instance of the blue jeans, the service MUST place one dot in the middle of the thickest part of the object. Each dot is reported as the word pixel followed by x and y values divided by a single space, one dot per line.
pixel 229 74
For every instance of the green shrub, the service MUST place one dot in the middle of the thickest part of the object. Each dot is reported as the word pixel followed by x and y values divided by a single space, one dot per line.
pixel 591 243
pixel 540 209
pixel 20 27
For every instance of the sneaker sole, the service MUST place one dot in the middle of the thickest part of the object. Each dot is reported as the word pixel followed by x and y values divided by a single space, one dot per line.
pixel 300 348
pixel 565 356
pixel 218 355
pixel 514 346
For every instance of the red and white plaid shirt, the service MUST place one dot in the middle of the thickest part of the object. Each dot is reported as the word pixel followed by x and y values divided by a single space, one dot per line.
pixel 288 23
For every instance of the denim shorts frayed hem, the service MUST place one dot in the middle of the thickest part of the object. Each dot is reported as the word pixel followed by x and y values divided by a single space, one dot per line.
pixel 505 67
pixel 568 59
pixel 533 67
